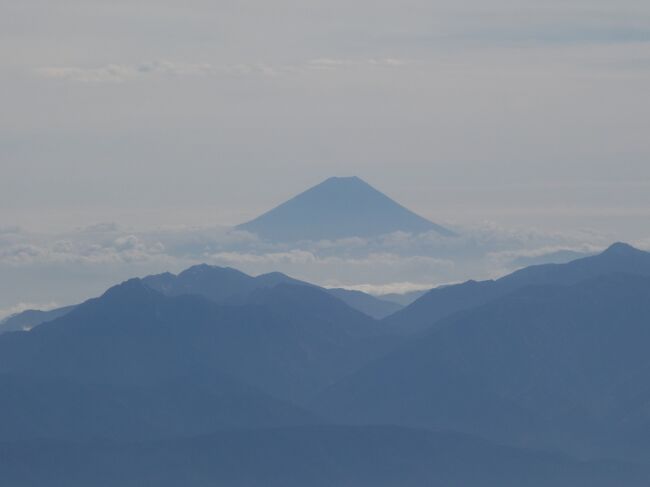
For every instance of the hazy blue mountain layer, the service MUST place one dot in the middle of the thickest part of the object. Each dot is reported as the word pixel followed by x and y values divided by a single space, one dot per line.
pixel 403 299
pixel 552 365
pixel 225 285
pixel 216 377
pixel 28 319
pixel 326 456
pixel 289 341
pixel 367 304
pixel 442 302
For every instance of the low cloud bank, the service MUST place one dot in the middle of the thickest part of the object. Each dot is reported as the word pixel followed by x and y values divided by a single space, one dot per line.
pixel 70 267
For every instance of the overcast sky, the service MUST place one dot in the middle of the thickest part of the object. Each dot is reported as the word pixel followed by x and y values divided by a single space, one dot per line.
pixel 216 110
pixel 200 112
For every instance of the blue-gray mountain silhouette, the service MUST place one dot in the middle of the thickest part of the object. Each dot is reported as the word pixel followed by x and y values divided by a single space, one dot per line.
pixel 215 377
pixel 222 285
pixel 547 365
pixel 288 342
pixel 309 456
pixel 338 208
pixel 28 319
pixel 225 285
pixel 170 365
pixel 441 302
pixel 377 308
pixel 403 299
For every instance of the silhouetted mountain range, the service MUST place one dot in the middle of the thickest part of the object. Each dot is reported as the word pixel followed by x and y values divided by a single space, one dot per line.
pixel 547 365
pixel 222 285
pixel 289 340
pixel 442 302
pixel 28 319
pixel 322 456
pixel 216 377
pixel 335 209
pixel 225 285
pixel 144 353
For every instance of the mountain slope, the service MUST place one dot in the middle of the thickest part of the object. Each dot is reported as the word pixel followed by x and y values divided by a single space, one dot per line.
pixel 332 456
pixel 403 299
pixel 338 208
pixel 135 357
pixel 28 319
pixel 367 304
pixel 222 285
pixel 561 366
pixel 289 341
pixel 442 302
pixel 54 408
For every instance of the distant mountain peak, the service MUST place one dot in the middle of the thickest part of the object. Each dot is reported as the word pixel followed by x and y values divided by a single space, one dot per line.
pixel 200 269
pixel 621 248
pixel 355 179
pixel 131 288
pixel 345 182
pixel 339 207
pixel 274 274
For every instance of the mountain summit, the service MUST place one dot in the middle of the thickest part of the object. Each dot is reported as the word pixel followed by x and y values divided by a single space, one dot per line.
pixel 338 208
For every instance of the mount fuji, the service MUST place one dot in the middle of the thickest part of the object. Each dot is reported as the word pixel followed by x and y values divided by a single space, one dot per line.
pixel 339 207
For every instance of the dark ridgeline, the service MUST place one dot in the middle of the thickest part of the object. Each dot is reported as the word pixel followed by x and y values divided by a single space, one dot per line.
pixel 561 367
pixel 288 341
pixel 338 208
pixel 442 302
pixel 137 354
pixel 28 319
pixel 222 285
pixel 213 377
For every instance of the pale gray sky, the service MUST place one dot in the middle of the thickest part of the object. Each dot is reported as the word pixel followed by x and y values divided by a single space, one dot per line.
pixel 526 114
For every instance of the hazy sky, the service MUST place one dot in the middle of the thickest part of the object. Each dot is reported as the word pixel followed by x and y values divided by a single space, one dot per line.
pixel 216 110
pixel 530 114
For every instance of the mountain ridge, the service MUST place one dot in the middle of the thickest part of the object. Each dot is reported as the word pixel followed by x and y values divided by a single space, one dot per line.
pixel 226 285
pixel 223 285
pixel 555 365
pixel 442 302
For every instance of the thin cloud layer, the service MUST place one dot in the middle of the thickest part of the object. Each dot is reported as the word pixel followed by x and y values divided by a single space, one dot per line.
pixel 68 268
pixel 116 73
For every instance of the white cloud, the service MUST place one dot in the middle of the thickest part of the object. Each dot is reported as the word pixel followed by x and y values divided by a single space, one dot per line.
pixel 378 268
pixel 122 250
pixel 97 256
pixel 119 73
pixel 389 288
pixel 104 74
pixel 337 63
